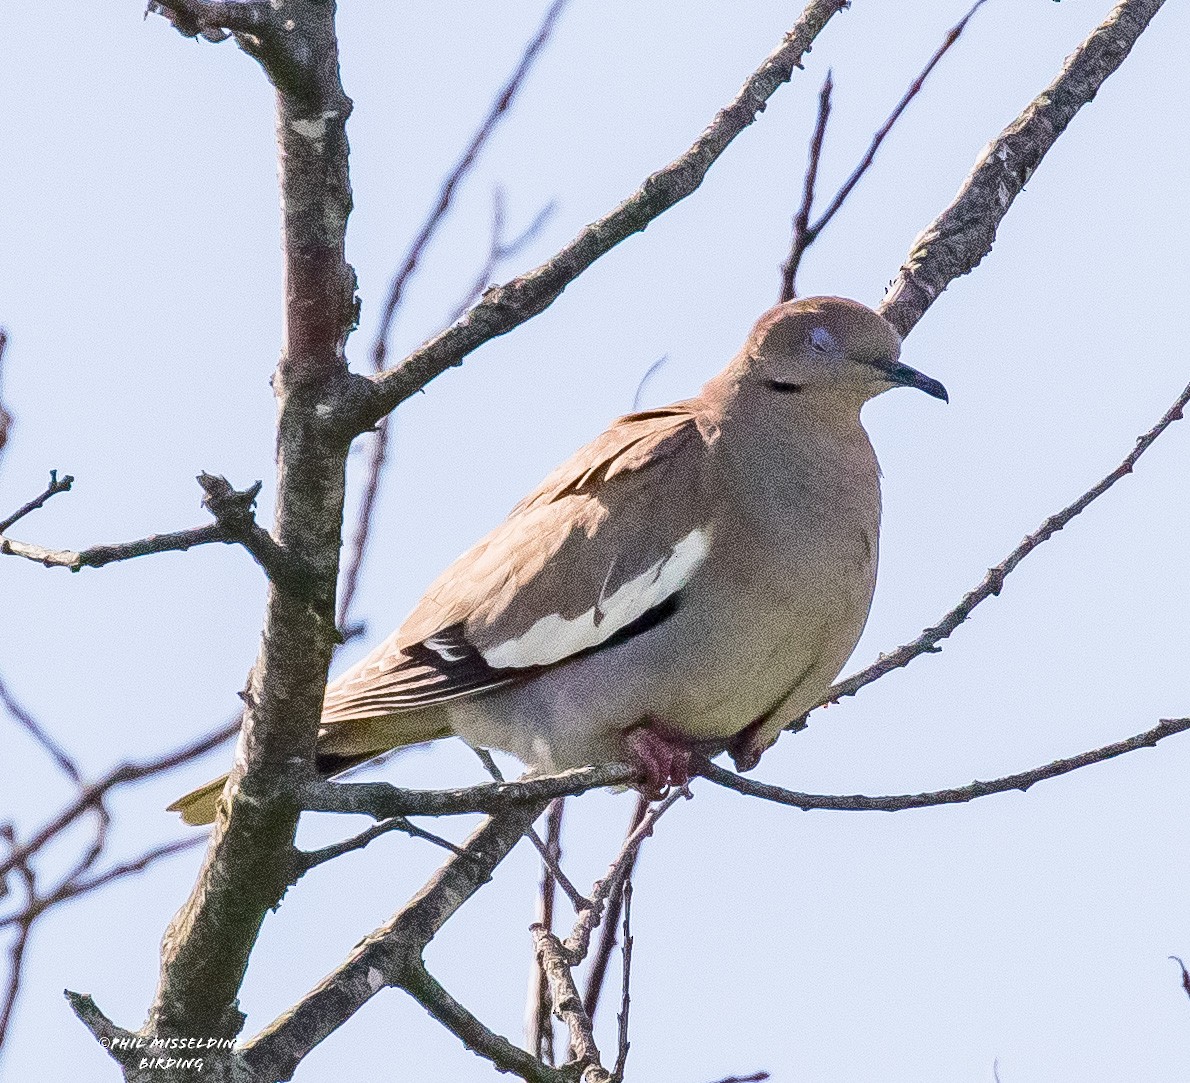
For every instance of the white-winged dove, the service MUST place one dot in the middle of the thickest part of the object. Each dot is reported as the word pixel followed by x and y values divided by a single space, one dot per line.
pixel 696 576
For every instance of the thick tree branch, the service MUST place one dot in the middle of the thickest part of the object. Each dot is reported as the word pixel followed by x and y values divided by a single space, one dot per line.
pixel 391 955
pixel 993 582
pixel 249 862
pixel 958 239
pixel 960 794
pixel 506 307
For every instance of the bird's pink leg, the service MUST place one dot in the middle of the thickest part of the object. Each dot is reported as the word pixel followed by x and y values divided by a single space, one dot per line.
pixel 661 754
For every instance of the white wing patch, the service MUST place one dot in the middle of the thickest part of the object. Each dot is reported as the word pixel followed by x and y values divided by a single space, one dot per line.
pixel 554 637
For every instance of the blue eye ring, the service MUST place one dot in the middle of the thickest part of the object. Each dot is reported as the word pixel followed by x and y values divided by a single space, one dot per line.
pixel 821 341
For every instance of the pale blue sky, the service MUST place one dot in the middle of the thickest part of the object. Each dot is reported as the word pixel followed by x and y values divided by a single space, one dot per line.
pixel 140 287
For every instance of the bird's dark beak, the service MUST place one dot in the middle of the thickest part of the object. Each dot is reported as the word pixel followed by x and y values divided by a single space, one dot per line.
pixel 901 375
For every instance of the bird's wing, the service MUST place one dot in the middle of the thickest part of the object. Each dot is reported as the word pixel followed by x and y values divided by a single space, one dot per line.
pixel 597 553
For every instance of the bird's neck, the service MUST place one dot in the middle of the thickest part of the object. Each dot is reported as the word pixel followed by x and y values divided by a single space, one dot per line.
pixel 797 459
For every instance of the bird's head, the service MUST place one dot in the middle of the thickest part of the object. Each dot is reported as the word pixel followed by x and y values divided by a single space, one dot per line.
pixel 828 347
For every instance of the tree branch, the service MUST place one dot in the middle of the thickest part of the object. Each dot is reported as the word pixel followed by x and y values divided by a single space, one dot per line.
pixel 391 955
pixel 506 307
pixel 804 234
pixel 120 775
pixel 6 418
pixel 959 795
pixel 962 235
pixel 607 933
pixel 993 582
pixel 53 489
pixel 249 861
pixel 381 800
pixel 475 1036
pixel 234 524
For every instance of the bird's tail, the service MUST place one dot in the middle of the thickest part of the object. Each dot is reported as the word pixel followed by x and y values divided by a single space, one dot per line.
pixel 342 746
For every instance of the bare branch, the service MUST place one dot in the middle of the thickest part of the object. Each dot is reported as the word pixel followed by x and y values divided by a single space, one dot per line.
pixel 962 235
pixel 547 856
pixel 506 307
pixel 804 234
pixel 234 524
pixel 607 932
pixel 16 956
pixel 477 1037
pixel 456 176
pixel 625 982
pixel 580 938
pixel 72 887
pixel 60 756
pixel 915 88
pixel 390 956
pixel 6 419
pixel 500 249
pixel 538 1017
pixel 381 800
pixel 801 221
pixel 121 775
pixel 305 860
pixel 959 795
pixel 556 962
pixel 993 582
pixel 53 489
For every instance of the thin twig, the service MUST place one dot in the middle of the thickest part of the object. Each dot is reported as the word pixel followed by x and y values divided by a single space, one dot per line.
pixel 579 940
pixel 53 489
pixel 993 582
pixel 960 794
pixel 305 860
pixel 622 1043
pixel 539 1026
pixel 804 234
pixel 73 888
pixel 234 524
pixel 6 419
pixel 498 250
pixel 576 897
pixel 16 953
pixel 597 973
pixel 455 177
pixel 120 775
pixel 60 756
pixel 801 221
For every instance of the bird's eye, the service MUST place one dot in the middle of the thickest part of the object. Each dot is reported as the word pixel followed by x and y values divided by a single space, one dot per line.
pixel 821 341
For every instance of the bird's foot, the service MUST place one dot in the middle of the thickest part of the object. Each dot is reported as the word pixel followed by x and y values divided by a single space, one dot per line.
pixel 663 757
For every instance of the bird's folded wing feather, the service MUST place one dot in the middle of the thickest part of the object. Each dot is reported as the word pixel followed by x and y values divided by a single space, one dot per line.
pixel 597 553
